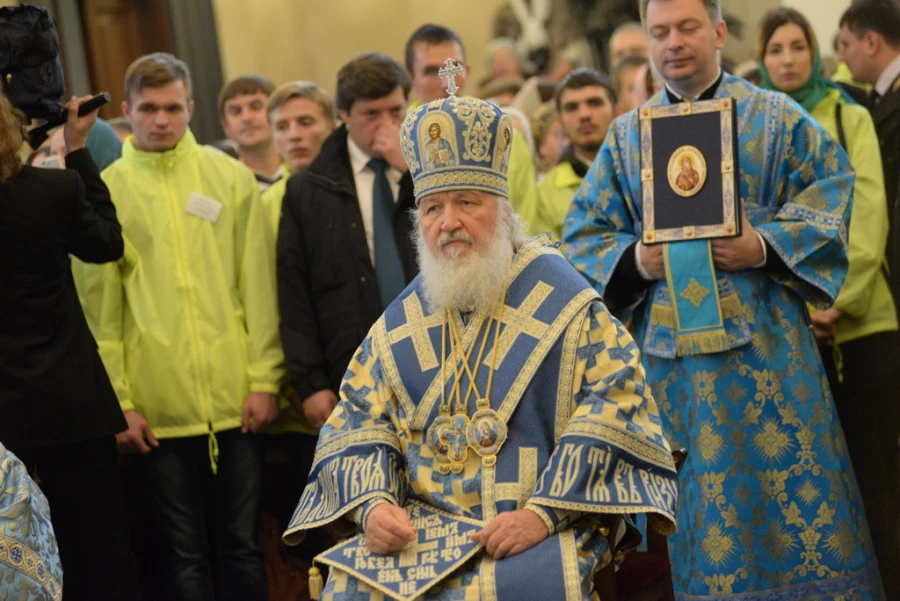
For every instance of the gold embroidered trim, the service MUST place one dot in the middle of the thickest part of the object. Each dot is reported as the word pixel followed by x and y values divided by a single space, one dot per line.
pixel 623 439
pixel 565 391
pixel 511 401
pixel 470 178
pixel 571 575
pixel 665 316
pixel 353 437
pixel 26 561
pixel 545 517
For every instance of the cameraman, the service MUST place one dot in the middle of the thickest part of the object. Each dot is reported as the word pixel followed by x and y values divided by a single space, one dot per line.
pixel 58 411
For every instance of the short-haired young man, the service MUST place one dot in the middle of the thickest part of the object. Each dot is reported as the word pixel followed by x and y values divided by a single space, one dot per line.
pixel 344 248
pixel 187 326
pixel 586 104
pixel 301 116
pixel 242 113
pixel 426 53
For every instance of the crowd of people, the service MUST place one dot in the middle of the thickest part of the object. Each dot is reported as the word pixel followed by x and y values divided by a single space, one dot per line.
pixel 190 340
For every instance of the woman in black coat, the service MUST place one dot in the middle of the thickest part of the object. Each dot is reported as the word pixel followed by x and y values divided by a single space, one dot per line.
pixel 58 411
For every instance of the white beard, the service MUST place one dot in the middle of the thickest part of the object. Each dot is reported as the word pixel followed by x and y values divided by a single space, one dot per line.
pixel 466 284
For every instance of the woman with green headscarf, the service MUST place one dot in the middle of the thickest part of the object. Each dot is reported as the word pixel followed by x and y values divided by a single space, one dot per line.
pixel 858 335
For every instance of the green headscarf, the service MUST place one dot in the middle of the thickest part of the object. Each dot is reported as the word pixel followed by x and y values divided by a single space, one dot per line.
pixel 810 93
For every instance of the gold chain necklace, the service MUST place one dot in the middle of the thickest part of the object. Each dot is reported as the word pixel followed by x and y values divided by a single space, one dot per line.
pixel 451 436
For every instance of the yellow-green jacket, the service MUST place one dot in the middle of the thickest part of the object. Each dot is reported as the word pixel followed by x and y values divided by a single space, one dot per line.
pixel 289 420
pixel 865 298
pixel 556 192
pixel 187 321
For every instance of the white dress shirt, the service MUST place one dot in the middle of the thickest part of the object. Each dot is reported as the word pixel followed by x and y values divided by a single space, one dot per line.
pixel 887 77
pixel 364 178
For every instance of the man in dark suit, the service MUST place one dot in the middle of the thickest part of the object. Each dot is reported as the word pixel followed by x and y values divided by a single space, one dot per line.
pixel 344 247
pixel 58 411
pixel 870 45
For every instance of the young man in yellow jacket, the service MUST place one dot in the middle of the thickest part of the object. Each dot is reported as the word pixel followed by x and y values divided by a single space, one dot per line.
pixel 586 103
pixel 187 326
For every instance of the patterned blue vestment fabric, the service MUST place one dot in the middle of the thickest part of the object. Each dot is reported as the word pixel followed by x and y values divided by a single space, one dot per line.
pixel 769 508
pixel 29 558
pixel 584 434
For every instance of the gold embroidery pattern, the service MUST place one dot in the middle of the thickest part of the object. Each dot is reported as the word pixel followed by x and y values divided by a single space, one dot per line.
pixel 340 442
pixel 565 403
pixel 489 512
pixel 695 293
pixel 511 401
pixel 522 321
pixel 521 491
pixel 621 438
pixel 24 560
pixel 570 565
pixel 469 178
pixel 477 133
pixel 416 328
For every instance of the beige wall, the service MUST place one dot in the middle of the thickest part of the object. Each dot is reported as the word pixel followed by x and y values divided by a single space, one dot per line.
pixel 312 39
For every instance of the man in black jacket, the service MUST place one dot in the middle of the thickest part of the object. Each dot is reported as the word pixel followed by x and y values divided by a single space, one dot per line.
pixel 344 247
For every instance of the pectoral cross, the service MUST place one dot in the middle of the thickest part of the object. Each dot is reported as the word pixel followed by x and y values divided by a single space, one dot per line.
pixel 449 72
pixel 521 490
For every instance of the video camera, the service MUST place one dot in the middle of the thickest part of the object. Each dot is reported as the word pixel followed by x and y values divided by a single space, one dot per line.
pixel 31 71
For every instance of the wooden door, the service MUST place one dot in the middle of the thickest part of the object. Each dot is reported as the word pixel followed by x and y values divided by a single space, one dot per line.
pixel 116 32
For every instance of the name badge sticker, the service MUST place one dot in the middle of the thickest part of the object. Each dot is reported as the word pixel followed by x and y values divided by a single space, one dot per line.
pixel 203 207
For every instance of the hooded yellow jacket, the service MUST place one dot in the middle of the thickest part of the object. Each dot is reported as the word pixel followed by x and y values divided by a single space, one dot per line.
pixel 187 321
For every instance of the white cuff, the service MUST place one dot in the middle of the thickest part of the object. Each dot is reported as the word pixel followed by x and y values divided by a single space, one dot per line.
pixel 640 267
pixel 762 243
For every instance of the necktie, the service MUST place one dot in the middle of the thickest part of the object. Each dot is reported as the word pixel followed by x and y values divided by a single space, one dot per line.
pixel 874 97
pixel 388 267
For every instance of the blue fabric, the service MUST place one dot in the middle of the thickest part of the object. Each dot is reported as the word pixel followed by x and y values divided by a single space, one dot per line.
pixel 29 557
pixel 388 266
pixel 695 297
pixel 103 144
pixel 769 506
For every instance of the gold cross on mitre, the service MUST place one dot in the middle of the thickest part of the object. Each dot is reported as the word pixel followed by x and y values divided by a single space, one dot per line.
pixel 449 72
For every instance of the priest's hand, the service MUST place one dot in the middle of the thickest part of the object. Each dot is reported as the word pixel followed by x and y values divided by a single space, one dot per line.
pixel 138 438
pixel 825 322
pixel 511 532
pixel 388 529
pixel 652 260
pixel 740 253
pixel 318 406
pixel 260 410
pixel 387 146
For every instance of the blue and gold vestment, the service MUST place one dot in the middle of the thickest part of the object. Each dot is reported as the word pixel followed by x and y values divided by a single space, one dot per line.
pixel 30 569
pixel 584 435
pixel 769 506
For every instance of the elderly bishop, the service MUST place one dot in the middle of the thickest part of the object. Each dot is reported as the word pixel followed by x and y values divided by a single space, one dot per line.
pixel 496 387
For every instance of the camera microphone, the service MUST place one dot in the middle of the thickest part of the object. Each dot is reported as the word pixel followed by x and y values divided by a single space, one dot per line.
pixel 37 135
